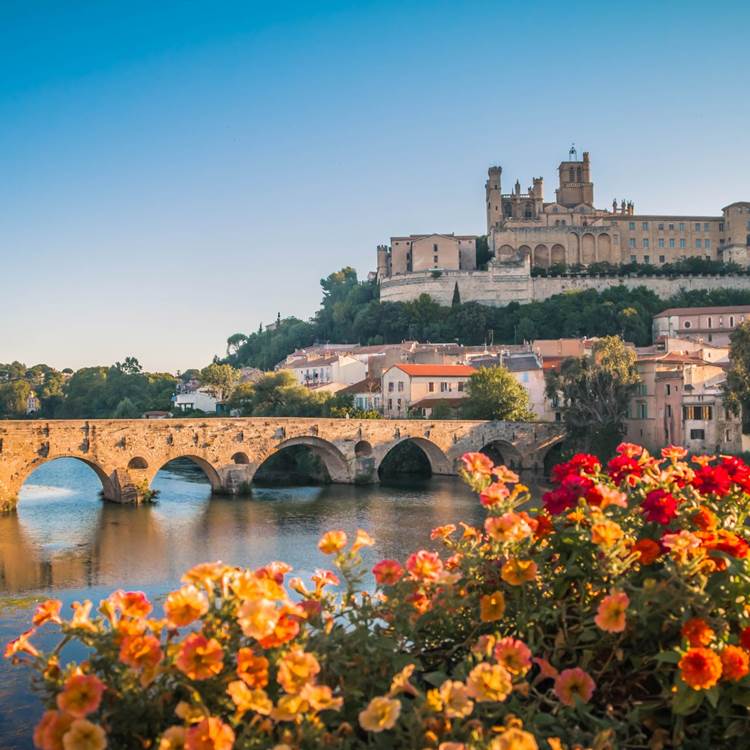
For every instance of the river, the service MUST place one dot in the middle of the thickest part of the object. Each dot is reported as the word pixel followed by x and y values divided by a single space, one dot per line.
pixel 65 542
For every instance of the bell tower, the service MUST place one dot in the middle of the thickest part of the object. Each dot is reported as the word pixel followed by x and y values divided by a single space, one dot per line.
pixel 493 194
pixel 575 181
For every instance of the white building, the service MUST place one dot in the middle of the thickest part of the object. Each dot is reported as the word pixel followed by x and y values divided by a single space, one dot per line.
pixel 198 400
pixel 336 368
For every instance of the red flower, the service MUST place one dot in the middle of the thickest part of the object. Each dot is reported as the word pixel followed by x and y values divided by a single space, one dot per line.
pixel 566 496
pixel 648 550
pixel 745 638
pixel 738 471
pixel 580 463
pixel 623 466
pixel 712 479
pixel 659 506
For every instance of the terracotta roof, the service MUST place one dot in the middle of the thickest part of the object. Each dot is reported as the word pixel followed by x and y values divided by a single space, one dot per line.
pixel 320 362
pixel 703 310
pixel 426 371
pixel 368 385
pixel 673 358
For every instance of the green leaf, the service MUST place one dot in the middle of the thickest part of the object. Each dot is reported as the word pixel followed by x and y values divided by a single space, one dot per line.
pixel 687 701
pixel 670 657
pixel 435 678
pixel 713 695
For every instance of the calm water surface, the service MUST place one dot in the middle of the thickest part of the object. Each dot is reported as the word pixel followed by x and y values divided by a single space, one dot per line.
pixel 65 542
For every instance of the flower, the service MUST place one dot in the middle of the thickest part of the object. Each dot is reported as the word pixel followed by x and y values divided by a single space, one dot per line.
pixel 674 452
pixel 296 669
pixel 489 682
pixel 289 708
pixel 131 603
pixel 493 495
pixel 381 713
pixel 514 738
pixel 513 654
pixel 712 480
pixel 624 467
pixel 610 615
pixel 581 463
pixel 504 474
pixel 400 682
pixel 700 668
pixel 443 532
pixel 735 663
pixel 258 618
pixel 455 698
pixel 697 632
pixel 574 683
pixel 492 606
pixel 184 606
pixel 206 575
pixel 648 551
pixel 320 698
pixel 252 669
pixel 47 611
pixel 705 519
pixel 745 638
pixel 362 539
pixel 509 527
pixel 21 645
pixel 659 506
pixel 81 695
pixel 424 565
pixel 49 732
pixel 546 670
pixel 140 651
pixel 610 496
pixel 245 699
pixel 605 533
pixel 388 572
pixel 209 734
pixel 172 738
pixel 83 735
pixel 81 618
pixel 517 572
pixel 199 657
pixel 477 463
pixel 332 541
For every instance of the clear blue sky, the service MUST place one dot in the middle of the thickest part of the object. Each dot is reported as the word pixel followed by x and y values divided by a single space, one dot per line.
pixel 175 172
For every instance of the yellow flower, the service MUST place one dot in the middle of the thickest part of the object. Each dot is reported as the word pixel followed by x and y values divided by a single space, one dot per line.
pixel 81 617
pixel 514 739
pixel 320 698
pixel 455 699
pixel 605 533
pixel 258 618
pixel 400 682
pixel 206 574
pixel 332 541
pixel 289 707
pixel 489 682
pixel 381 713
pixel 296 669
pixel 184 606
pixel 83 735
pixel 199 657
pixel 433 700
pixel 172 738
pixel 492 606
pixel 517 572
pixel 249 700
pixel 363 539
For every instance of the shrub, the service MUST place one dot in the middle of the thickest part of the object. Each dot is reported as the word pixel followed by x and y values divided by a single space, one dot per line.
pixel 615 616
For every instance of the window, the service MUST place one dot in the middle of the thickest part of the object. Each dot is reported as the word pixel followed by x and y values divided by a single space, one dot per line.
pixel 721 226
pixel 631 226
pixel 661 242
pixel 434 248
pixel 390 387
pixel 400 386
pixel 398 404
pixel 642 411
pixel 668 389
pixel 682 226
pixel 671 243
pixel 661 227
pixel 390 404
pixel 731 321
pixel 697 434
pixel 706 227
pixel 461 386
pixel 430 386
pixel 671 227
pixel 443 387
pixel 646 258
pixel 697 226
pixel 699 413
pixel 707 244
pixel 661 259
pixel 669 410
pixel 710 323
pixel 644 225
pixel 633 259
pixel 698 243
pixel 688 324
pixel 683 244
pixel 645 244
pixel 631 242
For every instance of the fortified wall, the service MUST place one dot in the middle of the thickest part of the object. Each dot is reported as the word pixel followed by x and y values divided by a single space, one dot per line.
pixel 497 288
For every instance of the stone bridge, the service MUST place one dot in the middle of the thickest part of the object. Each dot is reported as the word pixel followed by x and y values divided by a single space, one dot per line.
pixel 126 454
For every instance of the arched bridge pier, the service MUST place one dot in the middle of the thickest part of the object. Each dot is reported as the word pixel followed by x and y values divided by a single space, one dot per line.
pixel 126 454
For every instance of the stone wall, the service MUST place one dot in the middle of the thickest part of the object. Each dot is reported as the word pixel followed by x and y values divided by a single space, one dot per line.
pixel 498 289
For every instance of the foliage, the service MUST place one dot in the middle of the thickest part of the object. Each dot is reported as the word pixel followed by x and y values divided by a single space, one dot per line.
pixel 614 617
pixel 493 393
pixel 18 382
pixel 351 313
pixel 219 379
pixel 483 252
pixel 737 386
pixel 594 394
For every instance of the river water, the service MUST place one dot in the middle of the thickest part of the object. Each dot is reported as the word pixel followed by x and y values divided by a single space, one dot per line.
pixel 63 541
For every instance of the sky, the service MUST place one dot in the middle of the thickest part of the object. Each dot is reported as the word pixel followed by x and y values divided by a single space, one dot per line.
pixel 176 172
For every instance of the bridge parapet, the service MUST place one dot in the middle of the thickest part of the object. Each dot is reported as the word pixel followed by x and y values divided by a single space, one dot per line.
pixel 126 454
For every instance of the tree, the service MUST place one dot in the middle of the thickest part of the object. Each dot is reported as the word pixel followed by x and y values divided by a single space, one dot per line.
pixel 594 394
pixel 737 386
pixel 131 366
pixel 126 409
pixel 219 379
pixel 234 342
pixel 493 393
pixel 456 296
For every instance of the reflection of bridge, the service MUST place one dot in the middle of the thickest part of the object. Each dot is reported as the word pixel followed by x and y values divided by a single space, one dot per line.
pixel 126 454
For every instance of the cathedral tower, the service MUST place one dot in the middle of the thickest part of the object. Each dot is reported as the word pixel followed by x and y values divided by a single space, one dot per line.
pixel 494 203
pixel 575 181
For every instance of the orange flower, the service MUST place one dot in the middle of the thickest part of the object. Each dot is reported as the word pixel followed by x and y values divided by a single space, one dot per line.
pixel 184 606
pixel 296 669
pixel 332 541
pixel 516 572
pixel 285 629
pixel 735 663
pixel 513 654
pixel 514 738
pixel 173 738
pixel 199 657
pixel 611 496
pixel 141 651
pixel 705 519
pixel 442 532
pixel 509 527
pixel 49 732
pixel 400 682
pixel 320 698
pixel 424 565
pixel 489 683
pixel 455 698
pixel 700 668
pixel 574 683
pixel 648 551
pixel 83 735
pixel 381 713
pixel 610 615
pixel 206 574
pixel 81 695
pixel 252 669
pixel 492 606
pixel 289 708
pixel 249 700
pixel 81 618
pixel 605 533
pixel 477 463
pixel 48 611
pixel 546 670
pixel 131 603
pixel 697 632
pixel 494 494
pixel 210 734
pixel 258 618
pixel 363 539
pixel 388 572
pixel 674 452
pixel 21 645
pixel 504 474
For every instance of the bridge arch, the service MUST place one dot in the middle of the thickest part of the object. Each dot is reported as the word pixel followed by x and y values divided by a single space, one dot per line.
pixel 502 452
pixel 439 462
pixel 208 469
pixel 108 487
pixel 332 458
pixel 137 462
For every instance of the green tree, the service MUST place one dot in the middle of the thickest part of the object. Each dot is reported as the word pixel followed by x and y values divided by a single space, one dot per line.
pixel 219 379
pixel 126 409
pixel 456 296
pixel 493 393
pixel 234 342
pixel 594 394
pixel 737 386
